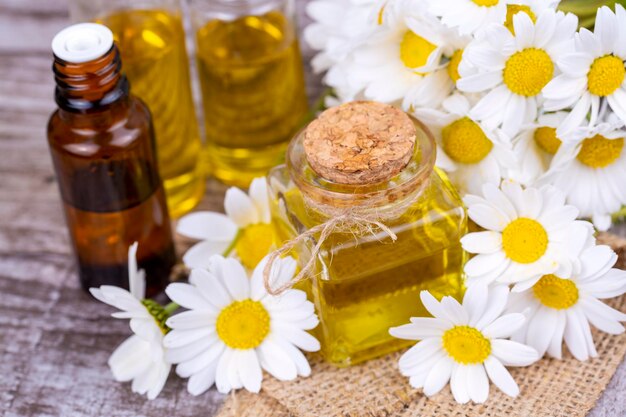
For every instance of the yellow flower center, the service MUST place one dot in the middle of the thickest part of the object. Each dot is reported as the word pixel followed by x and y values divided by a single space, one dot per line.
pixel 254 243
pixel 555 292
pixel 546 139
pixel 465 142
pixel 453 65
pixel 243 324
pixel 606 75
pixel 512 10
pixel 524 240
pixel 486 3
pixel 466 345
pixel 415 50
pixel 600 152
pixel 527 72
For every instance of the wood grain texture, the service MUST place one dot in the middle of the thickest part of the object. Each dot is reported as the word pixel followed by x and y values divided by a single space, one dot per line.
pixel 54 339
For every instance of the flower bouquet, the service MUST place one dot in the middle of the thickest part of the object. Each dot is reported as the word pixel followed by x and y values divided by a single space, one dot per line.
pixel 528 113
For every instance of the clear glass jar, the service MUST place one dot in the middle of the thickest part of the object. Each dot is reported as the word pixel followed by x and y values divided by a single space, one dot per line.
pixel 252 81
pixel 364 282
pixel 151 39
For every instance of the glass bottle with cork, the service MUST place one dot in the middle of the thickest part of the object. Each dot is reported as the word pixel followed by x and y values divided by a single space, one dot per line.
pixel 151 39
pixel 103 151
pixel 252 81
pixel 372 223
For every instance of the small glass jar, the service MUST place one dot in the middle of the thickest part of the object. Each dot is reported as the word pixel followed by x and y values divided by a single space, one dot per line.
pixel 151 39
pixel 364 281
pixel 252 80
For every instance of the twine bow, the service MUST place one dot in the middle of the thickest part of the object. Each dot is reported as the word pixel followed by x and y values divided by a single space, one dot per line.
pixel 344 223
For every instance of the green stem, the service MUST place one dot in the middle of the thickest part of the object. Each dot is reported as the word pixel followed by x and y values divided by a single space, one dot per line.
pixel 232 245
pixel 170 308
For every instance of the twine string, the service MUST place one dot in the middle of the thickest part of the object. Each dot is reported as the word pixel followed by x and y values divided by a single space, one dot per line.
pixel 348 222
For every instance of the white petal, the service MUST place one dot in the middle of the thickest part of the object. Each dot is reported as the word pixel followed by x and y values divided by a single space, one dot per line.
pixel 211 288
pixel 438 376
pixel 512 353
pixel 504 326
pixel 459 384
pixel 498 297
pixel 260 198
pixel 482 242
pixel 419 328
pixel 221 374
pixel 214 354
pixel 272 358
pixel 249 370
pixel 199 255
pixel 203 380
pixel 207 225
pixel 130 359
pixel 475 302
pixel 298 337
pixel 233 275
pixel 501 378
pixel 190 320
pixel 478 388
pixel 187 296
pixel 240 208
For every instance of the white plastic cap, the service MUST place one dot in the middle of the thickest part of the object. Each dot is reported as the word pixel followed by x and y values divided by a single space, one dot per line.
pixel 82 42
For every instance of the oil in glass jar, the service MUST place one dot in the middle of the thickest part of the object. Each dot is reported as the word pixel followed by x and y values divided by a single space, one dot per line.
pixel 252 82
pixel 103 151
pixel 151 39
pixel 372 163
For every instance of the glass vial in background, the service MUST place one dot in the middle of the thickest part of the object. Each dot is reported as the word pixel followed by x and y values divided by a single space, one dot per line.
pixel 151 39
pixel 252 80
pixel 102 146
pixel 364 283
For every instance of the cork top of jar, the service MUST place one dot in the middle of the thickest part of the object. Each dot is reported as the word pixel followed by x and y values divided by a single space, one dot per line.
pixel 361 142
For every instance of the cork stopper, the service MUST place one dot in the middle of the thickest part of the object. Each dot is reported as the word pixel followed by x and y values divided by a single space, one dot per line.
pixel 360 143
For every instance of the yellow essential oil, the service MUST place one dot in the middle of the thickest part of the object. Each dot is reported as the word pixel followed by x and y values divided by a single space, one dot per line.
pixel 253 93
pixel 366 283
pixel 152 44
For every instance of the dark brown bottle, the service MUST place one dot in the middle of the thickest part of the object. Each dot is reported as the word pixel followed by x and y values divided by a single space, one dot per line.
pixel 102 145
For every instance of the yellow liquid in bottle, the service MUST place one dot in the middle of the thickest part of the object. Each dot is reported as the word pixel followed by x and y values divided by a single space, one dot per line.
pixel 367 284
pixel 253 92
pixel 154 58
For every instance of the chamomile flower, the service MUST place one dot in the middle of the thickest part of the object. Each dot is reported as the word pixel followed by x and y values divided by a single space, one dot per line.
pixel 464 344
pixel 591 170
pixel 593 71
pixel 141 357
pixel 514 68
pixel 561 309
pixel 528 233
pixel 245 228
pixel 234 329
pixel 468 151
pixel 535 147
pixel 402 62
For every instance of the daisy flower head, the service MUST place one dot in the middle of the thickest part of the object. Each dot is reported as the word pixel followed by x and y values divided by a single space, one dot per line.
pixel 514 68
pixel 589 168
pixel 528 233
pixel 234 329
pixel 141 357
pixel 403 60
pixel 468 151
pixel 464 344
pixel 535 147
pixel 245 229
pixel 593 72
pixel 559 309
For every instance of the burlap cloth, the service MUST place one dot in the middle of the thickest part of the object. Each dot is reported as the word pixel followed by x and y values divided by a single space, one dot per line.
pixel 550 388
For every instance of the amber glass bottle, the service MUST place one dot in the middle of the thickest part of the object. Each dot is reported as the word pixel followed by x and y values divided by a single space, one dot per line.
pixel 102 145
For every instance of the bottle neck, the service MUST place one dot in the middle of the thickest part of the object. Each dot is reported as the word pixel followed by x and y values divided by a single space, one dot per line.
pixel 92 86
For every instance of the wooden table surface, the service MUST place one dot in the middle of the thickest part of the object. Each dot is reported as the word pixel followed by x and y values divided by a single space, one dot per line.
pixel 54 339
